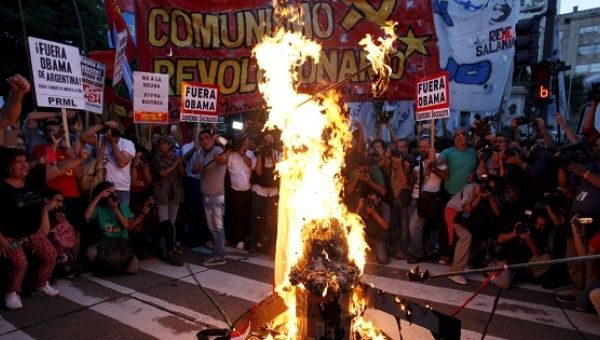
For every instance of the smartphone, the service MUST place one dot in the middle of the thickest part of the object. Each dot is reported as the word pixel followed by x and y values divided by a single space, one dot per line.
pixel 50 155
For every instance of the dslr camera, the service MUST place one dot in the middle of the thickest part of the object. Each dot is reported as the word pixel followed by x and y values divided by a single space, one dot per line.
pixel 573 153
pixel 523 226
pixel 485 183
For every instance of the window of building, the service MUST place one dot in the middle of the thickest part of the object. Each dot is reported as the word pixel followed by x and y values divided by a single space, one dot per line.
pixel 587 68
pixel 589 29
pixel 588 49
pixel 560 35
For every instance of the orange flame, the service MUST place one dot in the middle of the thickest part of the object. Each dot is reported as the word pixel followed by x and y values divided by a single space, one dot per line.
pixel 378 55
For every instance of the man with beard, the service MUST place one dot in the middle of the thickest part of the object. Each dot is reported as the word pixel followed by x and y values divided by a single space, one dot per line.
pixel 427 179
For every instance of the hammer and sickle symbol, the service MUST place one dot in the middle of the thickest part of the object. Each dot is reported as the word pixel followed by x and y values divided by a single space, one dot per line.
pixel 363 9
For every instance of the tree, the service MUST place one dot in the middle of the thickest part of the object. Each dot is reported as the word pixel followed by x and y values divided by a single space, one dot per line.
pixel 47 19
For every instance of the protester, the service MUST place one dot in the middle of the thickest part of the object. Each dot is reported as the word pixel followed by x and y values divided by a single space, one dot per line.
pixel 209 162
pixel 25 223
pixel 194 212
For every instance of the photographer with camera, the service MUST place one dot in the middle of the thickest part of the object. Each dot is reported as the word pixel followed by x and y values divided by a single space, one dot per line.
pixel 264 197
pixel 398 194
pixel 471 211
pixel 586 238
pixel 585 181
pixel 118 153
pixel 376 216
pixel 113 219
pixel 427 200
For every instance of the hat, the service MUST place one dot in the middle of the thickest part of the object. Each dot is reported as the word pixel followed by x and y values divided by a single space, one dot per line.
pixel 168 139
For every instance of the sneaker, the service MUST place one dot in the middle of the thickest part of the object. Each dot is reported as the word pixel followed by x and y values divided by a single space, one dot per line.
pixel 214 261
pixel 12 301
pixel 177 248
pixel 240 245
pixel 566 298
pixel 48 290
pixel 174 260
pixel 461 280
pixel 443 260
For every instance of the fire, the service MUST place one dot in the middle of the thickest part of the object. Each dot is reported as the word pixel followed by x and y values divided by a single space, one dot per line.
pixel 378 55
pixel 315 229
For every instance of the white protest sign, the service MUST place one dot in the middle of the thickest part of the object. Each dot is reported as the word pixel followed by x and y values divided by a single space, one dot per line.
pixel 432 97
pixel 93 74
pixel 119 57
pixel 150 97
pixel 199 103
pixel 56 74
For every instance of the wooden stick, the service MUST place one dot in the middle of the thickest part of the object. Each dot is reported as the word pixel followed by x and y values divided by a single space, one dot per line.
pixel 65 122
pixel 432 133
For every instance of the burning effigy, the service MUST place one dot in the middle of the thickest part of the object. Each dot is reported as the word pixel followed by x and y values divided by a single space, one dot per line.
pixel 321 248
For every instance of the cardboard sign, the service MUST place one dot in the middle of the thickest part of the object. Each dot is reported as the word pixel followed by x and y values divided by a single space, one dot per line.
pixel 432 99
pixel 93 74
pixel 119 57
pixel 56 74
pixel 199 103
pixel 150 97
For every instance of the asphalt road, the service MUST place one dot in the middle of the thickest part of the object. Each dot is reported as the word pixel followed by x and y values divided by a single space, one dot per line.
pixel 164 302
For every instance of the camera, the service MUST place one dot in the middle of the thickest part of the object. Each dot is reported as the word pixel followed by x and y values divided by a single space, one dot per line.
pixel 554 199
pixel 485 183
pixel 511 152
pixel 58 211
pixel 113 197
pixel 594 94
pixel 487 149
pixel 523 225
pixel 583 220
pixel 113 132
pixel 523 120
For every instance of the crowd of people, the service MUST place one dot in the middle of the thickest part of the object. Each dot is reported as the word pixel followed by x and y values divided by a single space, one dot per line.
pixel 98 198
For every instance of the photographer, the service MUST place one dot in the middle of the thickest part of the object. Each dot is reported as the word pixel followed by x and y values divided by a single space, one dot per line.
pixel 586 239
pixel 113 219
pixel 471 212
pixel 376 216
pixel 585 179
pixel 118 154
pixel 264 196
pixel 399 198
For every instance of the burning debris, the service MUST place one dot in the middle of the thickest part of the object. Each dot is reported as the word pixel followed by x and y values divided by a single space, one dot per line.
pixel 325 266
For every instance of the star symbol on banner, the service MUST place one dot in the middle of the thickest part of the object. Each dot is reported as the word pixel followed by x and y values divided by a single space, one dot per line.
pixel 414 43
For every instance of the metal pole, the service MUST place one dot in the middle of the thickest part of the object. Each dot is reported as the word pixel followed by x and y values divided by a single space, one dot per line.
pixel 81 34
pixel 415 275
pixel 28 56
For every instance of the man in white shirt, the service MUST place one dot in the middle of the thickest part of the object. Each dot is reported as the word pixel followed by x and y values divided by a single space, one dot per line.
pixel 239 167
pixel 118 154
pixel 194 211
pixel 433 177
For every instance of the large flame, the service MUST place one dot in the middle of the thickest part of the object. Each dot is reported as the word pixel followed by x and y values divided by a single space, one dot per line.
pixel 315 136
pixel 378 55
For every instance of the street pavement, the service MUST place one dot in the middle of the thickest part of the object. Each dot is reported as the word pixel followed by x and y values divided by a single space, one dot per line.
pixel 164 302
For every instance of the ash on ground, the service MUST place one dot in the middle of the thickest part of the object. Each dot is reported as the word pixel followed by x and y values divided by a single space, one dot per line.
pixel 326 264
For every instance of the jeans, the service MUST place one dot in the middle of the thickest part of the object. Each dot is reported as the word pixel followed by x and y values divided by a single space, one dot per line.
pixel 398 236
pixel 416 229
pixel 214 208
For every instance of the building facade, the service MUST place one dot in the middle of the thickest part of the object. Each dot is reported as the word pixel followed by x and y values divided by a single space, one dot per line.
pixel 579 34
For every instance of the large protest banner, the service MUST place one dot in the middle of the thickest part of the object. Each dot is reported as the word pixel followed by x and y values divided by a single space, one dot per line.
pixel 56 74
pixel 210 42
pixel 476 40
pixel 93 76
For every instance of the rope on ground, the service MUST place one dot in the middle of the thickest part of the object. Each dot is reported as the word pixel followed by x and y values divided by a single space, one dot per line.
pixel 212 300
pixel 565 313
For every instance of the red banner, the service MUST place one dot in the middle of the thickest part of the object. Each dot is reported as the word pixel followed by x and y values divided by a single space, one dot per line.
pixel 210 42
